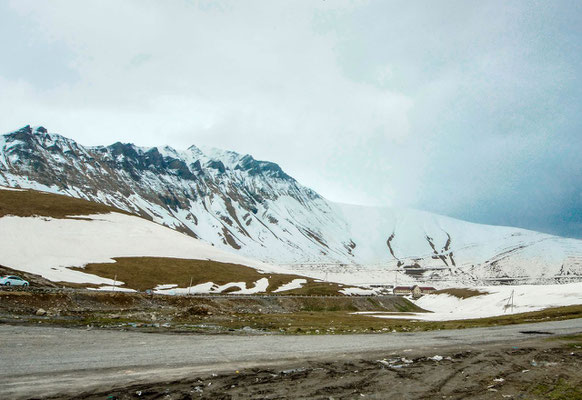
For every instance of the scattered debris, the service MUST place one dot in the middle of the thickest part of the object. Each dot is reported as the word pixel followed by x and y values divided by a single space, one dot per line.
pixel 293 370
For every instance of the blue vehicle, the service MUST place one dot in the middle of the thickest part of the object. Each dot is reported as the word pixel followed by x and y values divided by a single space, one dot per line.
pixel 13 280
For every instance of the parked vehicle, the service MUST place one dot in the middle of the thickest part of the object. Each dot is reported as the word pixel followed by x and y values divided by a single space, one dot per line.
pixel 13 280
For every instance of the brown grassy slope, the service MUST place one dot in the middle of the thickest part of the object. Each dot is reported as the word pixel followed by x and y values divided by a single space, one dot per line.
pixel 28 203
pixel 143 273
pixel 461 293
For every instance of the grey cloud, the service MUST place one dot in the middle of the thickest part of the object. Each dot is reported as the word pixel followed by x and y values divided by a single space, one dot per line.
pixel 464 108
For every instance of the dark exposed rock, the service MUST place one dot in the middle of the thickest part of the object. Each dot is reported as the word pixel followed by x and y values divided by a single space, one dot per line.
pixel 218 165
pixel 254 167
pixel 160 184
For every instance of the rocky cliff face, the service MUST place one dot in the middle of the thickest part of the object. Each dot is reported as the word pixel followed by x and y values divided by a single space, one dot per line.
pixel 226 198
pixel 254 208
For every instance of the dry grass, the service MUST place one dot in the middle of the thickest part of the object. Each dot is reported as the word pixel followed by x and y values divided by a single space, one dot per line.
pixel 28 203
pixel 142 273
pixel 342 322
pixel 461 293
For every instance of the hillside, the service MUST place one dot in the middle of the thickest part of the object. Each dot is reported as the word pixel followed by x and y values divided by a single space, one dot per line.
pixel 74 241
pixel 253 208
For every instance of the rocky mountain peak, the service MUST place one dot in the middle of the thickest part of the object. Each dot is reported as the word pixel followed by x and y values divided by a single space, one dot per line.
pixel 160 183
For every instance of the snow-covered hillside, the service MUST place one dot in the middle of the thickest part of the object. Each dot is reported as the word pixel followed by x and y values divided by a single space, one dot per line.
pixel 35 237
pixel 494 301
pixel 255 209
pixel 48 246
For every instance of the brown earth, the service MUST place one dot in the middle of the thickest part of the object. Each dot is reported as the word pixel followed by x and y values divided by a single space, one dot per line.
pixel 462 293
pixel 306 315
pixel 143 273
pixel 28 203
pixel 198 314
pixel 533 369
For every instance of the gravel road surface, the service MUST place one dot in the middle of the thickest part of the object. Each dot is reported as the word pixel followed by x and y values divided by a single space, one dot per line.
pixel 45 361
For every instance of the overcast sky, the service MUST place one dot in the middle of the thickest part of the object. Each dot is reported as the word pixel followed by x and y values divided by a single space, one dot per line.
pixel 471 109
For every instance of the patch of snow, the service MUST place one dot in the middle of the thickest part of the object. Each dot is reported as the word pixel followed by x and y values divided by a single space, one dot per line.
pixel 294 284
pixel 113 289
pixel 222 288
pixel 11 189
pixel 358 291
pixel 168 286
pixel 260 286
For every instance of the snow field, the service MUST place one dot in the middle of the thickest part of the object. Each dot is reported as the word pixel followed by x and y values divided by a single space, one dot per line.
pixel 48 246
pixel 496 302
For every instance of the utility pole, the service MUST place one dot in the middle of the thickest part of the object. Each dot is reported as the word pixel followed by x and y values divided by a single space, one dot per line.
pixel 190 286
pixel 510 300
pixel 114 282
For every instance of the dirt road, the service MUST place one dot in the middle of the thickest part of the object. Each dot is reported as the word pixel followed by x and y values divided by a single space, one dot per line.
pixel 537 369
pixel 44 361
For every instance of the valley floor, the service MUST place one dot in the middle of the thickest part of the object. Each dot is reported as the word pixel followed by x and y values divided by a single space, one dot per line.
pixel 530 361
pixel 239 314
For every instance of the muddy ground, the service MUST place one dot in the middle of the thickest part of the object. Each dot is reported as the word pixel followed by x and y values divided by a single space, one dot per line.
pixel 534 369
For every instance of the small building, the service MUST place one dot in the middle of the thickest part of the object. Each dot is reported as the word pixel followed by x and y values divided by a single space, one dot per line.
pixel 414 291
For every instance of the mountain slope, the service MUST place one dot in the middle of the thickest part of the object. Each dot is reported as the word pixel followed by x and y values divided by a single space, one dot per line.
pixel 254 208
pixel 64 239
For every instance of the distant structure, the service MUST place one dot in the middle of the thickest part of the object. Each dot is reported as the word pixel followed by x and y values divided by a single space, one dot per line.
pixel 381 289
pixel 416 291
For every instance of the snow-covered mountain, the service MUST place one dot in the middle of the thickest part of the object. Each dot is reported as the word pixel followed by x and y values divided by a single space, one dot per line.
pixel 82 243
pixel 254 208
